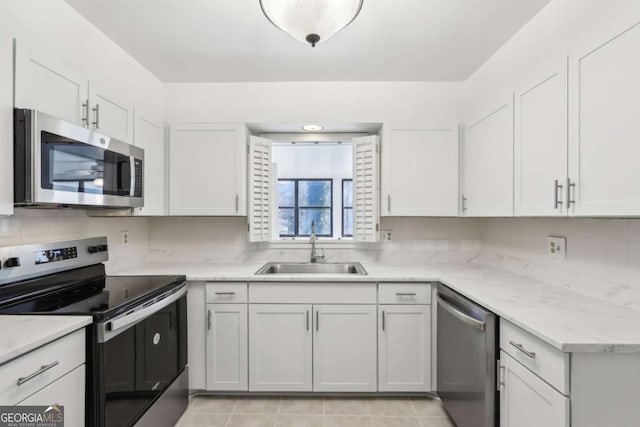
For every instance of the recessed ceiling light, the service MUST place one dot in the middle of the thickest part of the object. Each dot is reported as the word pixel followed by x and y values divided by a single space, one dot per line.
pixel 312 128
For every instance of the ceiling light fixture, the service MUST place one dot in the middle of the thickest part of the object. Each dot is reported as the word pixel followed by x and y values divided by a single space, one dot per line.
pixel 312 128
pixel 311 21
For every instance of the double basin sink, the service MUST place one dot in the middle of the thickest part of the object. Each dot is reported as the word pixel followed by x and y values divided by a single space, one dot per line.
pixel 347 268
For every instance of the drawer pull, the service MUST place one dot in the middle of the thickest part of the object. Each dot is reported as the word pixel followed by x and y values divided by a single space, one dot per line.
pixel 520 347
pixel 225 293
pixel 42 370
pixel 405 294
pixel 383 320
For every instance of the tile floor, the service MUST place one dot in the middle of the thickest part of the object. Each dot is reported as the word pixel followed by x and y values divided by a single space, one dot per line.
pixel 314 412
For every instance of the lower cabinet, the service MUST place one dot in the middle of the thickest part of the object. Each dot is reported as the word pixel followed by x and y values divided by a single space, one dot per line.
pixel 227 347
pixel 280 347
pixel 404 348
pixel 344 348
pixel 528 401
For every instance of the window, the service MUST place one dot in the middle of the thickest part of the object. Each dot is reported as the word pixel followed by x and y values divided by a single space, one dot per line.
pixel 347 208
pixel 302 201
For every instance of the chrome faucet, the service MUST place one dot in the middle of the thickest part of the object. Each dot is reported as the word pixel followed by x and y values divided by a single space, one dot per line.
pixel 314 252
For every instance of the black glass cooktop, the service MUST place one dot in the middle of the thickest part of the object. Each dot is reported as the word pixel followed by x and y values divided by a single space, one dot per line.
pixel 83 291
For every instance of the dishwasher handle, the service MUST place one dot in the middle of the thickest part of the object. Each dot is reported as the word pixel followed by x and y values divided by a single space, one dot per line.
pixel 468 320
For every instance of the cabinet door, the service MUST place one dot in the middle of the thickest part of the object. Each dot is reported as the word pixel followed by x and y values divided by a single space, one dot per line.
pixel 488 162
pixel 527 401
pixel 280 349
pixel 207 164
pixel 421 168
pixel 541 140
pixel 149 135
pixel 404 348
pixel 67 391
pixel 45 83
pixel 227 367
pixel 344 348
pixel 110 113
pixel 604 157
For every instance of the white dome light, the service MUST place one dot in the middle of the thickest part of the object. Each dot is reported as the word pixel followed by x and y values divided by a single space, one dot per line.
pixel 311 21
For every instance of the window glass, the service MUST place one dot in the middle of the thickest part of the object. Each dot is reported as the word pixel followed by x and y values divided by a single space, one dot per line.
pixel 347 208
pixel 302 201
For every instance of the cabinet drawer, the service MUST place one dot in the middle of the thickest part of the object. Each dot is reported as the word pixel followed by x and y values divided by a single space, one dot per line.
pixel 226 293
pixel 68 352
pixel 549 363
pixel 404 293
pixel 313 293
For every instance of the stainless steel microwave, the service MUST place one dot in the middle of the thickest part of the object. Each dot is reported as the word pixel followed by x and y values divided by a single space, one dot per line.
pixel 57 163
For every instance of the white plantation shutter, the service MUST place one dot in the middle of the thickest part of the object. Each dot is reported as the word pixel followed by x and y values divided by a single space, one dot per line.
pixel 366 216
pixel 259 189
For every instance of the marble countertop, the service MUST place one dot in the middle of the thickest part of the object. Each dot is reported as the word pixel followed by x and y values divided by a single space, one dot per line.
pixel 569 321
pixel 21 334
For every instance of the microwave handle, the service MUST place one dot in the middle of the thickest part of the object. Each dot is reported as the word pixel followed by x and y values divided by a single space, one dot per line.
pixel 132 163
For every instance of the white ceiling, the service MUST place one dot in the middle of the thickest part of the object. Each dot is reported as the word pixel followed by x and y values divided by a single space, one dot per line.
pixel 231 40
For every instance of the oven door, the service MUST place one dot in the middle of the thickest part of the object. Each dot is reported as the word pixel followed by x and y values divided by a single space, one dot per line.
pixel 136 365
pixel 73 165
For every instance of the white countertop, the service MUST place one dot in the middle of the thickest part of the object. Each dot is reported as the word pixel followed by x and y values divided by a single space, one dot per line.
pixel 21 334
pixel 567 320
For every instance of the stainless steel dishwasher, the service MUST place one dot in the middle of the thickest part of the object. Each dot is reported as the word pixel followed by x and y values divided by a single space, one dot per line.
pixel 467 348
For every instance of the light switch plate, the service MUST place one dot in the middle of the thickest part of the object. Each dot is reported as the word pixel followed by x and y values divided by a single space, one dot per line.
pixel 386 235
pixel 557 247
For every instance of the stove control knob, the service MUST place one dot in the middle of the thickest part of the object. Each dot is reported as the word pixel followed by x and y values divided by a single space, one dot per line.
pixel 103 248
pixel 12 262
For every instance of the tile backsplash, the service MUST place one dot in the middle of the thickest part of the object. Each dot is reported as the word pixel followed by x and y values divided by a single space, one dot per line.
pixel 603 255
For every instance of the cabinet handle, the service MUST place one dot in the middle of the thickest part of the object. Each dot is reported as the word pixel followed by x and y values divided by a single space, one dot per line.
pixel 96 110
pixel 500 381
pixel 383 320
pixel 307 320
pixel 557 187
pixel 237 203
pixel 405 294
pixel 208 319
pixel 42 370
pixel 389 203
pixel 520 347
pixel 317 320
pixel 464 204
pixel 225 293
pixel 569 187
pixel 85 113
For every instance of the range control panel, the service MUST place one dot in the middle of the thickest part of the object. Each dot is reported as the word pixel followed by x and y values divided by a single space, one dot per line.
pixel 35 260
pixel 53 255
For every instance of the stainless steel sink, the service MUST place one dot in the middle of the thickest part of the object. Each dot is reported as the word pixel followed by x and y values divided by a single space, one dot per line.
pixel 354 268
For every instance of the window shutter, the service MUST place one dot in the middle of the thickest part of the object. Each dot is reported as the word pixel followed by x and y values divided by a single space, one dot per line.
pixel 259 189
pixel 366 216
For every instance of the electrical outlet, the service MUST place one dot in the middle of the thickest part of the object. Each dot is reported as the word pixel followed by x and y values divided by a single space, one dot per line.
pixel 386 235
pixel 557 247
pixel 124 241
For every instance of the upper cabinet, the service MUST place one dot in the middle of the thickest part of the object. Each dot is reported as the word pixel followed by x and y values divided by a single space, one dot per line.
pixel 420 173
pixel 149 135
pixel 207 169
pixel 604 154
pixel 43 82
pixel 487 158
pixel 540 166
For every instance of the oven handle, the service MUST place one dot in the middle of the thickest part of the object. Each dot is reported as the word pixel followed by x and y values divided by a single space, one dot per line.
pixel 115 326
pixel 468 320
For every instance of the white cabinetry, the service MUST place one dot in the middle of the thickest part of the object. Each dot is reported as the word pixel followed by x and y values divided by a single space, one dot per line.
pixel 44 82
pixel 604 155
pixel 527 401
pixel 421 173
pixel 227 347
pixel 541 140
pixel 404 348
pixel 53 373
pixel 280 347
pixel 149 135
pixel 207 164
pixel 344 348
pixel 488 161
